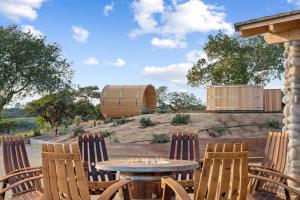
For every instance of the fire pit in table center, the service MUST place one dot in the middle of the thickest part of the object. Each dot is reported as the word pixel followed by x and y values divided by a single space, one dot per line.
pixel 147 161
pixel 142 165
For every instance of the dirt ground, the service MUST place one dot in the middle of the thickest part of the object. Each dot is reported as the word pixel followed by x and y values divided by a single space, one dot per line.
pixel 204 124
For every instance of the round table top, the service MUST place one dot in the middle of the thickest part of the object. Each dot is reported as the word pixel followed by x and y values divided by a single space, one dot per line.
pixel 161 166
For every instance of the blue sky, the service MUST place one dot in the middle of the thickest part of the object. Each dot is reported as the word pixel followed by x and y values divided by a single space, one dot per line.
pixel 137 41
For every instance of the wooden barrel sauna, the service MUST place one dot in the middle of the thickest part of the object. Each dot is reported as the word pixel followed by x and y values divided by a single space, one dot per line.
pixel 234 98
pixel 119 101
pixel 272 100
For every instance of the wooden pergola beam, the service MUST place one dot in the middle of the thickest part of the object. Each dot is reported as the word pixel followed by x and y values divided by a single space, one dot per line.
pixel 284 26
pixel 281 37
pixel 253 31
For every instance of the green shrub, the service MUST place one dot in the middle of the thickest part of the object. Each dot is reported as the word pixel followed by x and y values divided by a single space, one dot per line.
pixel 41 122
pixel 181 119
pixel 77 120
pixel 78 130
pixel 146 111
pixel 217 131
pixel 160 138
pixel 273 124
pixel 114 139
pixel 107 133
pixel 108 120
pixel 65 123
pixel 36 132
pixel 162 110
pixel 7 126
pixel 145 122
pixel 118 122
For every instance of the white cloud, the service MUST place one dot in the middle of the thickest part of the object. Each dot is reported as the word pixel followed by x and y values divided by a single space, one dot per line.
pixel 20 9
pixel 178 19
pixel 144 11
pixel 80 34
pixel 194 55
pixel 175 73
pixel 296 2
pixel 119 62
pixel 108 8
pixel 91 61
pixel 32 30
pixel 168 43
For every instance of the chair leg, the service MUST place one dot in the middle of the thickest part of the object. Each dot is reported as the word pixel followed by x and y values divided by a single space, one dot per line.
pixel 3 186
pixel 126 194
pixel 168 194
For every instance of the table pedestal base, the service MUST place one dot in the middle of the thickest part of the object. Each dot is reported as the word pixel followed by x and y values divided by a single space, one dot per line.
pixel 145 185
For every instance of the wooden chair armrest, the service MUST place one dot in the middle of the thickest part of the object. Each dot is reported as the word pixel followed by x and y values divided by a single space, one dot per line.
pixel 174 186
pixel 100 185
pixel 19 183
pixel 296 192
pixel 261 167
pixel 276 173
pixel 39 171
pixel 110 191
pixel 24 169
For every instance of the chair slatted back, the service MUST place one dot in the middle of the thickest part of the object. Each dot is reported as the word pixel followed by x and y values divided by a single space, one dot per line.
pixel 275 158
pixel 63 173
pixel 185 146
pixel 224 175
pixel 93 149
pixel 15 158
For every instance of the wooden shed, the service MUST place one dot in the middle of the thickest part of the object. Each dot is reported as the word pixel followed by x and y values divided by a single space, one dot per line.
pixel 119 101
pixel 234 98
pixel 272 100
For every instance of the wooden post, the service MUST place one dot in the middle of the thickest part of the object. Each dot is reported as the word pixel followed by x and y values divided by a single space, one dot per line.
pixel 292 110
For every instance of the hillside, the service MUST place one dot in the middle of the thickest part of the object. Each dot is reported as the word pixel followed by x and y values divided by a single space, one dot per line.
pixel 225 125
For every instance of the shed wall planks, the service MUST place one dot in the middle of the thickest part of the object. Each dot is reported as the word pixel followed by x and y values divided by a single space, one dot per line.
pixel 119 101
pixel 235 98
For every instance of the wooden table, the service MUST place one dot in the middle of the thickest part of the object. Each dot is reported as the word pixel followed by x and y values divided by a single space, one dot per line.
pixel 146 176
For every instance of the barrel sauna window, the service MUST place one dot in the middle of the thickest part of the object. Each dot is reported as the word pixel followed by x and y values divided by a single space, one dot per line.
pixel 235 98
pixel 127 101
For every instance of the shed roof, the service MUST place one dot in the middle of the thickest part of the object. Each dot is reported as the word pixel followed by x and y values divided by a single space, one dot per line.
pixel 286 16
pixel 277 28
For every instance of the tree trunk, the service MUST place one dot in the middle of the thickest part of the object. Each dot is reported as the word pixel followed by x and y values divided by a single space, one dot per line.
pixel 292 108
pixel 56 129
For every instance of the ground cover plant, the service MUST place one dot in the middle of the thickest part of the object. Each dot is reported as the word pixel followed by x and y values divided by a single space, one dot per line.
pixel 146 111
pixel 160 138
pixel 180 119
pixel 78 130
pixel 273 124
pixel 146 122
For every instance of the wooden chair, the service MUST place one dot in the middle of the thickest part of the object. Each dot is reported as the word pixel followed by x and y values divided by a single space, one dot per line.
pixel 272 166
pixel 185 146
pixel 93 149
pixel 20 178
pixel 64 177
pixel 224 175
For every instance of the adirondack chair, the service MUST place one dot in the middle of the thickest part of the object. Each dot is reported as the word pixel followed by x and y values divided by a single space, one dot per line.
pixel 64 177
pixel 20 178
pixel 272 166
pixel 93 149
pixel 224 175
pixel 185 146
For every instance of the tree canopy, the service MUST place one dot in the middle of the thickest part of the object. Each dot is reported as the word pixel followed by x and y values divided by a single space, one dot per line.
pixel 53 107
pixel 177 100
pixel 232 60
pixel 66 104
pixel 29 65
